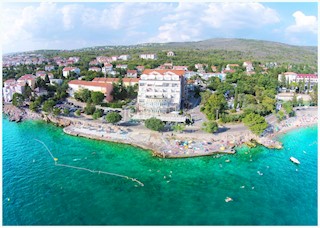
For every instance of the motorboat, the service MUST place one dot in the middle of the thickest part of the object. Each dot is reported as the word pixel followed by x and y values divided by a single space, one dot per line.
pixel 294 160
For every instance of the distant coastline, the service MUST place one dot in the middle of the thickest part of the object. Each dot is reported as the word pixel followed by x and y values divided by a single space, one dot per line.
pixel 168 144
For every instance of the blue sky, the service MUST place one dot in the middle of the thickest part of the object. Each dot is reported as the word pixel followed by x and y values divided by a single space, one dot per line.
pixel 70 25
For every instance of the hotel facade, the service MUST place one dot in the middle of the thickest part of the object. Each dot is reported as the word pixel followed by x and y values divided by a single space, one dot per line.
pixel 161 91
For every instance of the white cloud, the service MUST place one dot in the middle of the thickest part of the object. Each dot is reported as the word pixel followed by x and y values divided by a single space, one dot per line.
pixel 238 15
pixel 191 21
pixel 303 24
pixel 41 23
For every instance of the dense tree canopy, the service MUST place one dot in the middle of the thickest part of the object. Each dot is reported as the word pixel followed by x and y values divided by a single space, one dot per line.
pixel 154 124
pixel 210 126
pixel 113 117
pixel 256 123
pixel 215 104
pixel 17 99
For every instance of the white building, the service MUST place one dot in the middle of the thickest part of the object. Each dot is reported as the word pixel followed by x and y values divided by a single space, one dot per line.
pixel 294 77
pixel 27 78
pixel 107 68
pixel 161 91
pixel 49 68
pixel 10 87
pixel 66 71
pixel 248 65
pixel 170 53
pixel 96 69
pixel 148 56
pixel 185 68
pixel 124 57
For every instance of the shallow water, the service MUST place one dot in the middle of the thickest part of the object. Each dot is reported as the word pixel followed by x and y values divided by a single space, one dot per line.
pixel 266 188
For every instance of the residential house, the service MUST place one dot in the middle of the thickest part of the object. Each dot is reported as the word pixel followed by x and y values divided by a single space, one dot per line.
pixel 124 57
pixel 200 66
pixel 165 66
pixel 231 66
pixel 149 56
pixel 122 66
pixel 105 88
pixel 107 68
pixel 214 68
pixel 56 81
pixel 132 73
pixel 161 91
pixel 28 78
pixel 114 58
pixel 140 69
pixel 74 59
pixel 50 75
pixel 170 53
pixel 66 71
pixel 41 74
pixel 10 87
pixel 93 63
pixel 225 71
pixel 104 59
pixel 185 68
pixel 248 65
pixel 49 68
pixel 96 69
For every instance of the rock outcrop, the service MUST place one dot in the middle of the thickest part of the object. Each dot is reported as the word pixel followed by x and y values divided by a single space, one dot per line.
pixel 14 113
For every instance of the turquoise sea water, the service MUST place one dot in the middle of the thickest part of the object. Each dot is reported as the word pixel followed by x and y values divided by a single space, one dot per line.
pixel 188 191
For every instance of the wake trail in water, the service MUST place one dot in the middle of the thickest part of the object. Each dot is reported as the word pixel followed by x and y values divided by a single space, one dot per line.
pixel 85 169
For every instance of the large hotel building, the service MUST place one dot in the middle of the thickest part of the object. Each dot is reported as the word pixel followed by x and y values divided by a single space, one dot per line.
pixel 161 91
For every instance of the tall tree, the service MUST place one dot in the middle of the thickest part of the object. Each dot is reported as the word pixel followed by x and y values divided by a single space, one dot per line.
pixel 17 99
pixel 216 104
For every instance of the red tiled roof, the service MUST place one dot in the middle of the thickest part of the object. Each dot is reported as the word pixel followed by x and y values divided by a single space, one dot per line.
pixel 69 68
pixel 289 73
pixel 178 72
pixel 10 80
pixel 228 71
pixel 132 71
pixel 27 77
pixel 106 80
pixel 90 83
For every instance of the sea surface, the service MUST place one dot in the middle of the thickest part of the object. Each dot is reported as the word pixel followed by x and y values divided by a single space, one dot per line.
pixel 266 187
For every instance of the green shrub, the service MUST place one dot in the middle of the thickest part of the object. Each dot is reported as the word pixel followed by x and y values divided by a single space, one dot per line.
pixel 113 117
pixel 154 124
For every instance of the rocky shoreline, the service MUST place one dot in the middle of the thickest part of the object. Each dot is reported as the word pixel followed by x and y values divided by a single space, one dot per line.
pixel 16 114
pixel 165 145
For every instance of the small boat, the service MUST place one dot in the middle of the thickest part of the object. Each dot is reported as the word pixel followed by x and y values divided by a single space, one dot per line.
pixel 294 160
pixel 228 199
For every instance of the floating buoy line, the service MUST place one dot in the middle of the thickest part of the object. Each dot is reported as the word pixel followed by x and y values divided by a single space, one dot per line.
pixel 85 169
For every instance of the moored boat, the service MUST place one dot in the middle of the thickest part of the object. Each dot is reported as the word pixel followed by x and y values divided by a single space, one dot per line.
pixel 294 160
